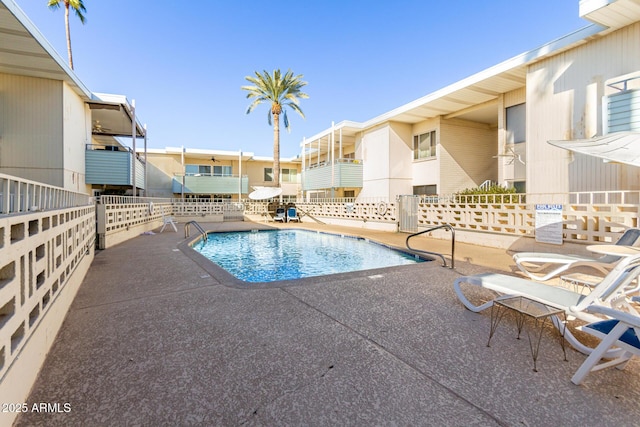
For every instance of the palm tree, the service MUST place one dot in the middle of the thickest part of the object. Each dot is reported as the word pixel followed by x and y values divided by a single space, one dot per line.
pixel 280 91
pixel 79 9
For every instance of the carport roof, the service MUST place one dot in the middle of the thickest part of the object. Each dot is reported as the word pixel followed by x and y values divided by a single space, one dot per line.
pixel 25 51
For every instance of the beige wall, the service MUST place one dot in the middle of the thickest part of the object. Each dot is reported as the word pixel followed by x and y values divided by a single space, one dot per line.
pixel 426 171
pixel 163 167
pixel 466 155
pixel 564 101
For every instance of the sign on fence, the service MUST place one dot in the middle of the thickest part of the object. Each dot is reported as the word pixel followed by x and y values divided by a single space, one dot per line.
pixel 549 224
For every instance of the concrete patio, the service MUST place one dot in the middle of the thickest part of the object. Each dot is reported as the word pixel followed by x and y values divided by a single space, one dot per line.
pixel 153 338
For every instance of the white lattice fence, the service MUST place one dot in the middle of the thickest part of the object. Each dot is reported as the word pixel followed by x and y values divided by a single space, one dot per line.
pixel 365 211
pixel 583 223
pixel 39 253
pixel 496 217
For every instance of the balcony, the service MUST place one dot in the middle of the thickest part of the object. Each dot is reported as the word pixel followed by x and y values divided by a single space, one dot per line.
pixel 343 173
pixel 210 184
pixel 112 165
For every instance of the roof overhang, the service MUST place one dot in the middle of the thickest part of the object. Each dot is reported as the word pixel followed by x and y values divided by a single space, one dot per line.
pixel 613 14
pixel 113 116
pixel 618 147
pixel 24 51
pixel 218 155
pixel 473 98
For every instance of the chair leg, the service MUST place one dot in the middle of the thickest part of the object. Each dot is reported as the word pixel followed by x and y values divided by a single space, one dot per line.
pixel 591 363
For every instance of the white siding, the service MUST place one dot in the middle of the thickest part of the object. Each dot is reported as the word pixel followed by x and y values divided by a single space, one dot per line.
pixel 375 155
pixel 76 134
pixel 31 113
pixel 400 159
pixel 564 101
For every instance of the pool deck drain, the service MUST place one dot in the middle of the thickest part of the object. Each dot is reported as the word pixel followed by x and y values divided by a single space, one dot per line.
pixel 157 342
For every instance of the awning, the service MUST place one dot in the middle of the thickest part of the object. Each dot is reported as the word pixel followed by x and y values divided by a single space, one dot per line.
pixel 618 147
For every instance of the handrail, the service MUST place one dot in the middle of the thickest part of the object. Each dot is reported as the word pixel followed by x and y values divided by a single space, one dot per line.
pixel 205 236
pixel 453 244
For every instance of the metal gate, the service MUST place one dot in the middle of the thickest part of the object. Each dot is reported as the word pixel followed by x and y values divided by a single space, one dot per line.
pixel 408 213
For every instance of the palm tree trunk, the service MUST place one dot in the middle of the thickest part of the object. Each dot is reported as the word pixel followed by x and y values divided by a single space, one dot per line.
pixel 276 150
pixel 66 20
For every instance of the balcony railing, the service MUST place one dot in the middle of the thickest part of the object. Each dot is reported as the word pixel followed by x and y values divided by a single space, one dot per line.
pixel 112 165
pixel 343 173
pixel 210 184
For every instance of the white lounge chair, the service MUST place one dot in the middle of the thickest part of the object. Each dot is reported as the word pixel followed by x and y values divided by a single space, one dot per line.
pixel 622 330
pixel 610 290
pixel 168 220
pixel 281 215
pixel 534 263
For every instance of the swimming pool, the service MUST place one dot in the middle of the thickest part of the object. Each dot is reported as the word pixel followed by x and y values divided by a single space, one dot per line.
pixel 274 255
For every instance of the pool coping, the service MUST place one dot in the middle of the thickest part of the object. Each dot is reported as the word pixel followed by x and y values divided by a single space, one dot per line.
pixel 227 279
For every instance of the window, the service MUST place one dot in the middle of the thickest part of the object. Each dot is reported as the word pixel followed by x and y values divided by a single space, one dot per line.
pixel 516 124
pixel 350 193
pixel 425 190
pixel 288 175
pixel 222 171
pixel 197 169
pixel 520 186
pixel 424 145
pixel 268 174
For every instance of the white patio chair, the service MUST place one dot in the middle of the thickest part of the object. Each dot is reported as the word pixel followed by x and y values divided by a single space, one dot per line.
pixel 621 331
pixel 610 290
pixel 533 264
pixel 168 220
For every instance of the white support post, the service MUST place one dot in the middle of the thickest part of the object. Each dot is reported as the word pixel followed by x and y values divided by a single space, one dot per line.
pixel 240 176
pixel 133 143
pixel 146 182
pixel 184 172
pixel 332 147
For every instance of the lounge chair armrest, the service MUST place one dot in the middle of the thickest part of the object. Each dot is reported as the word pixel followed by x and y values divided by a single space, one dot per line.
pixel 628 318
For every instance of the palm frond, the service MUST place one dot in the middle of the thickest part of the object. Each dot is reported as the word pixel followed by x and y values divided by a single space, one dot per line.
pixel 277 89
pixel 286 121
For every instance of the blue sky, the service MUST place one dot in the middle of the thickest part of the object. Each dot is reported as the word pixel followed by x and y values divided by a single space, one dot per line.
pixel 184 65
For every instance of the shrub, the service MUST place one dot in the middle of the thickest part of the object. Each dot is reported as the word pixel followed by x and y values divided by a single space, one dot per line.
pixel 492 194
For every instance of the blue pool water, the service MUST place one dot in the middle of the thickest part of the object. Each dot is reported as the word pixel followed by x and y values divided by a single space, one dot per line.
pixel 269 256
